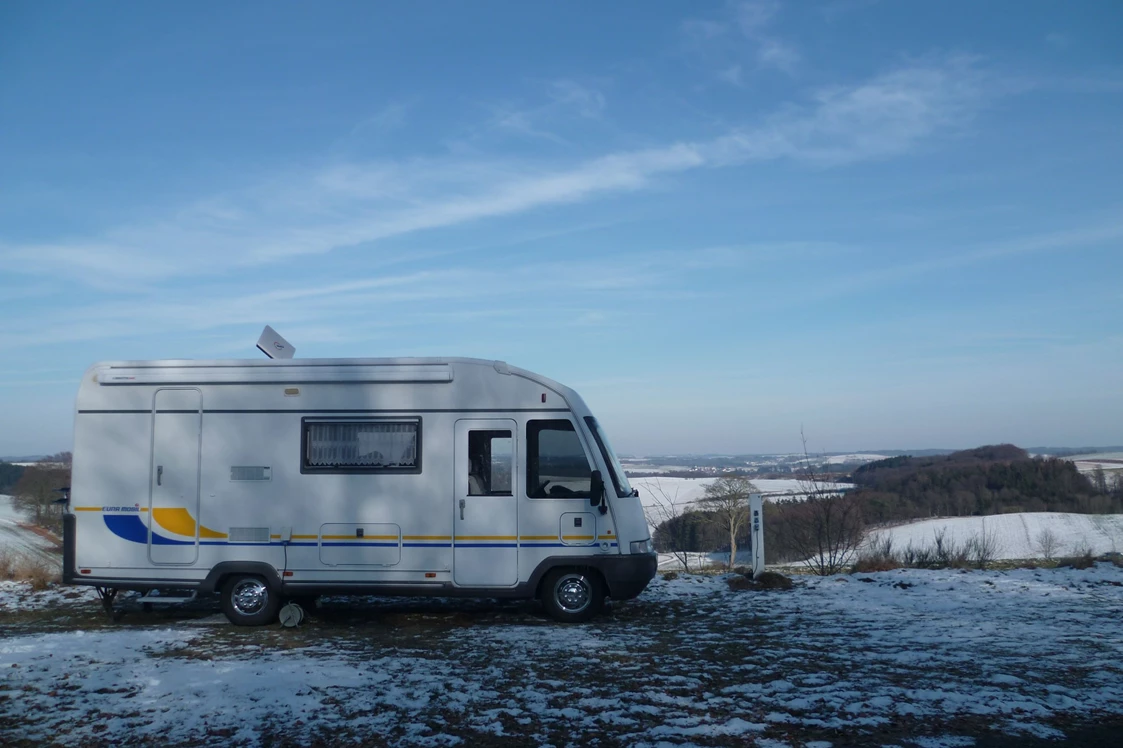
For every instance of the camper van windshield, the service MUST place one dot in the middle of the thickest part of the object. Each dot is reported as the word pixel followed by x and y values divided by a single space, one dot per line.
pixel 619 480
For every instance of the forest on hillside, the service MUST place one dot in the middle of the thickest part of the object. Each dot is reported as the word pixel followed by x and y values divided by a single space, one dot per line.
pixel 987 480
pixel 993 479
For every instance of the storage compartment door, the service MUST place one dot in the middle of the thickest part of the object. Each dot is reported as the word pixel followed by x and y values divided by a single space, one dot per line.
pixel 360 544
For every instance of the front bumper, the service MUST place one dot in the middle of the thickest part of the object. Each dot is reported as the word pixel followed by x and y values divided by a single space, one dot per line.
pixel 628 575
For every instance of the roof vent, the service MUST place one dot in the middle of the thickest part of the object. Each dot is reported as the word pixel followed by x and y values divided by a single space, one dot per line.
pixel 273 345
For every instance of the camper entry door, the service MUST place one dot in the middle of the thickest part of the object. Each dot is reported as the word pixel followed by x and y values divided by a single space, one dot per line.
pixel 173 503
pixel 485 512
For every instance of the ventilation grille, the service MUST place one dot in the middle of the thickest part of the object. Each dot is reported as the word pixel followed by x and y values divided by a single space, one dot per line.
pixel 249 534
pixel 249 472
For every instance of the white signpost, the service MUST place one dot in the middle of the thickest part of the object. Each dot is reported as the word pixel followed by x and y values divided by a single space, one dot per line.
pixel 756 532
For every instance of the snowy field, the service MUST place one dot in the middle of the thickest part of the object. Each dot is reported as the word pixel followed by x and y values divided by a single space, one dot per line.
pixel 851 458
pixel 689 490
pixel 907 658
pixel 1018 535
pixel 20 541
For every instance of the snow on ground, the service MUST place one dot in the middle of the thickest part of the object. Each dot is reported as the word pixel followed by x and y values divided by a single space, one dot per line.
pixel 1017 535
pixel 19 540
pixel 1110 462
pixel 905 657
pixel 857 457
pixel 17 596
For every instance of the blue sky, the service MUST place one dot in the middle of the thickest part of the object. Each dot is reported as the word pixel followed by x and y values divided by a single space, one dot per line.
pixel 897 225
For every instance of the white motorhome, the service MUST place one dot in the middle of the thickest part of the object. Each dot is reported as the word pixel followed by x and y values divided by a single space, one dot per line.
pixel 268 480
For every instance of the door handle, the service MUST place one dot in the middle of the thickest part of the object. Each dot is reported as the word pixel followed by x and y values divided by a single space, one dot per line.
pixel 159 475
pixel 462 503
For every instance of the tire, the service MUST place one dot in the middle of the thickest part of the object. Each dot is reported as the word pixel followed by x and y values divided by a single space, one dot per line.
pixel 572 595
pixel 248 601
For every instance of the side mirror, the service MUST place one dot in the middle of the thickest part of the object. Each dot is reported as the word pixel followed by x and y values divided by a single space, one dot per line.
pixel 596 489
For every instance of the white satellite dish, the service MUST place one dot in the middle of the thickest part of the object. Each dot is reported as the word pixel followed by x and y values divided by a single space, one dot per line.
pixel 273 345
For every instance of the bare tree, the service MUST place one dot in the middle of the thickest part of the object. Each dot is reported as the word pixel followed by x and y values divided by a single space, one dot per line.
pixel 668 510
pixel 1048 543
pixel 984 547
pixel 727 501
pixel 826 528
pixel 1099 479
pixel 36 491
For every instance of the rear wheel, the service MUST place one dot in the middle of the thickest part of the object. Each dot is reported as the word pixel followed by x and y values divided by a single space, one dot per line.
pixel 248 601
pixel 572 595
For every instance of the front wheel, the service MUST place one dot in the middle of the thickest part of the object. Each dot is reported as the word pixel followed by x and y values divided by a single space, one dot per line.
pixel 248 601
pixel 572 596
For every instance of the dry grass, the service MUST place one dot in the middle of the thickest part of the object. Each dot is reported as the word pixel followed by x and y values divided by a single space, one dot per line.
pixel 669 575
pixel 1084 561
pixel 771 580
pixel 871 564
pixel 38 573
pixel 768 580
pixel 739 582
pixel 7 562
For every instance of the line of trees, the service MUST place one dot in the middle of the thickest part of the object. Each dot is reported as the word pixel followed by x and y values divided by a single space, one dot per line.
pixel 9 476
pixel 825 530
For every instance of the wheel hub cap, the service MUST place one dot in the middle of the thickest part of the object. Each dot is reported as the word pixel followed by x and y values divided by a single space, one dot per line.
pixel 573 593
pixel 249 597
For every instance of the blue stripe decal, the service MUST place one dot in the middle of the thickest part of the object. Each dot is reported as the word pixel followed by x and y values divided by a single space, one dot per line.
pixel 129 527
pixel 486 545
pixel 361 545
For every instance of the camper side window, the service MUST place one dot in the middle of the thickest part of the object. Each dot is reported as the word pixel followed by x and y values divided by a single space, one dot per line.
pixel 489 463
pixel 556 464
pixel 360 446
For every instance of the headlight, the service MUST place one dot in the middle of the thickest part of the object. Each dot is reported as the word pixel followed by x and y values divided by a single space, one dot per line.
pixel 642 546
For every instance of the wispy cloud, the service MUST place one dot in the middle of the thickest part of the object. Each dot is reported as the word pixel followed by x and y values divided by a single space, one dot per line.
pixel 351 204
pixel 326 310
pixel 755 20
pixel 565 99
pixel 743 36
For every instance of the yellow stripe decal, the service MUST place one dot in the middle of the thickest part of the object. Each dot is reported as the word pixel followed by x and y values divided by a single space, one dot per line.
pixel 426 537
pixel 487 537
pixel 577 537
pixel 87 508
pixel 180 521
pixel 364 537
pixel 539 537
pixel 305 537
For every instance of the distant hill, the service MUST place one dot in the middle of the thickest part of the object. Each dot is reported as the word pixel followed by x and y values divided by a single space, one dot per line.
pixel 993 479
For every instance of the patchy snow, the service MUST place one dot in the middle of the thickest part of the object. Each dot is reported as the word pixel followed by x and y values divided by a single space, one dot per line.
pixel 905 657
pixel 19 596
pixel 17 540
pixel 1017 535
